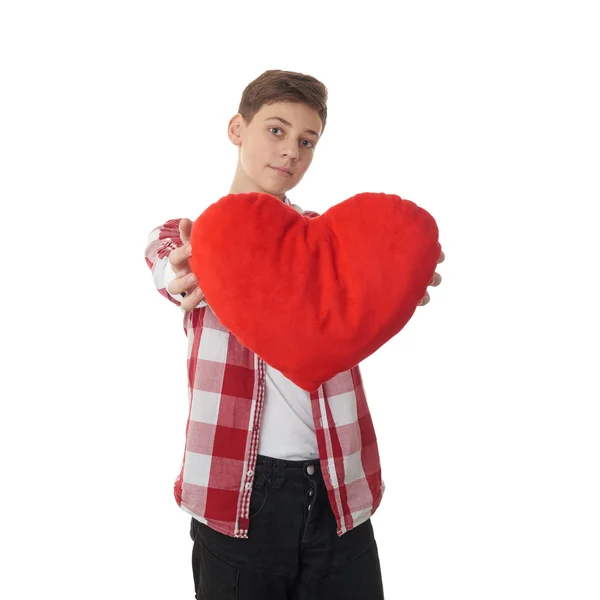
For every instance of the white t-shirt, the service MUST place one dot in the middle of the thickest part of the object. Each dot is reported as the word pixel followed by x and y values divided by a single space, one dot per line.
pixel 287 429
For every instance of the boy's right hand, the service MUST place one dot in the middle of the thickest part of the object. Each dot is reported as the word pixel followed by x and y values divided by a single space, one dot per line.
pixel 185 282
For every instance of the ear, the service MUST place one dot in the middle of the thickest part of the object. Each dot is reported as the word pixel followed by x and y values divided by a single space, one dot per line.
pixel 234 129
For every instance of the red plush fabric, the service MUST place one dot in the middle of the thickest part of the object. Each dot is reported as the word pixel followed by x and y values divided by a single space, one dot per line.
pixel 314 296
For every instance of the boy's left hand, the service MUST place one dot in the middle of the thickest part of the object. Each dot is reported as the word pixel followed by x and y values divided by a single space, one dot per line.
pixel 435 281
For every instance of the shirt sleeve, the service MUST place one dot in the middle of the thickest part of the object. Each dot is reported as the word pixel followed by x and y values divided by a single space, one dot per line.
pixel 162 240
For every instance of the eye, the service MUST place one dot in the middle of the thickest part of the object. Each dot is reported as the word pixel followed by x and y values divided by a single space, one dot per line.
pixel 312 145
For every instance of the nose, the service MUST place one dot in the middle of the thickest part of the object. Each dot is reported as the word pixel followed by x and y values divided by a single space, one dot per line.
pixel 290 151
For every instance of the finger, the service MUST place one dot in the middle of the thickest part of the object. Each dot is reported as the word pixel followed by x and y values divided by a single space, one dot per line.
pixel 186 284
pixel 424 300
pixel 179 259
pixel 442 257
pixel 185 230
pixel 436 280
pixel 192 299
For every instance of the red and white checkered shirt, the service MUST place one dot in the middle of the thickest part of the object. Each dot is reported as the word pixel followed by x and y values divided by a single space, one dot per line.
pixel 226 395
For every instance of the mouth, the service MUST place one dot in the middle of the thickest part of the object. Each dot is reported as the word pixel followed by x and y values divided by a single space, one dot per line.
pixel 283 172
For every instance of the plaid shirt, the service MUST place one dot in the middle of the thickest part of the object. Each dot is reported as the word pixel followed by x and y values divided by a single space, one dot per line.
pixel 226 384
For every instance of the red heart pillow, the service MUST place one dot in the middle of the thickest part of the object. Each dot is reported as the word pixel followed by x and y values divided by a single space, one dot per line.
pixel 314 296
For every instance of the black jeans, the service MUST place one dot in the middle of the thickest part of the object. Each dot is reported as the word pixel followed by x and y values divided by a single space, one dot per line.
pixel 293 551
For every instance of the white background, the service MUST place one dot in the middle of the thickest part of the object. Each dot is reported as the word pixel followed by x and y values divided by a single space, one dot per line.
pixel 113 119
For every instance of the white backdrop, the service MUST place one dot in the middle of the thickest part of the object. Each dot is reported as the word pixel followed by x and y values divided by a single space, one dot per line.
pixel 486 406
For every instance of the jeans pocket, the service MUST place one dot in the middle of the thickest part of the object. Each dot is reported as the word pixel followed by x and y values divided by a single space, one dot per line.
pixel 258 499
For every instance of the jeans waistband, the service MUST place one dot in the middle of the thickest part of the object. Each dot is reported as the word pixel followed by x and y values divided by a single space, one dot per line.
pixel 274 470
pixel 288 464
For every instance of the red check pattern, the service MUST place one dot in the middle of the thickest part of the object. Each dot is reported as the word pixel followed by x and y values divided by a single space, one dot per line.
pixel 226 384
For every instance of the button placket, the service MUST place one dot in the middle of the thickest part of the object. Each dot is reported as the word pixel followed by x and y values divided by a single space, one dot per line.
pixel 310 470
pixel 311 496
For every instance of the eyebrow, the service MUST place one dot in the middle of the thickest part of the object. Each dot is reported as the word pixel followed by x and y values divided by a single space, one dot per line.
pixel 290 125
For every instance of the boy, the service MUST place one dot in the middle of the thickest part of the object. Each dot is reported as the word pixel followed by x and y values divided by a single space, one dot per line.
pixel 280 483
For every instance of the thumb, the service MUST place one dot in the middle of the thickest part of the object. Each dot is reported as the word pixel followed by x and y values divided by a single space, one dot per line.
pixel 185 230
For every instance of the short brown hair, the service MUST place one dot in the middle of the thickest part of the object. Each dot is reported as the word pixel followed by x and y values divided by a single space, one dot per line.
pixel 283 86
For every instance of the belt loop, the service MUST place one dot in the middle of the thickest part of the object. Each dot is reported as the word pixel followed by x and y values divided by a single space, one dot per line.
pixel 264 476
pixel 280 478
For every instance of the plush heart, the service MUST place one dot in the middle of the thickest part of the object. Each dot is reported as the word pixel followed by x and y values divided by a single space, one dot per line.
pixel 314 296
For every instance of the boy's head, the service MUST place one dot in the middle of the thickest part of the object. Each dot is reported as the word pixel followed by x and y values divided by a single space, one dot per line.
pixel 280 120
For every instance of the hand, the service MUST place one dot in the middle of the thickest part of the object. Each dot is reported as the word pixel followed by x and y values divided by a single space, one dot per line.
pixel 186 282
pixel 435 281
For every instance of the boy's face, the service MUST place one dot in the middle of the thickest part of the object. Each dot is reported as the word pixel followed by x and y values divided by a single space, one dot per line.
pixel 267 143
